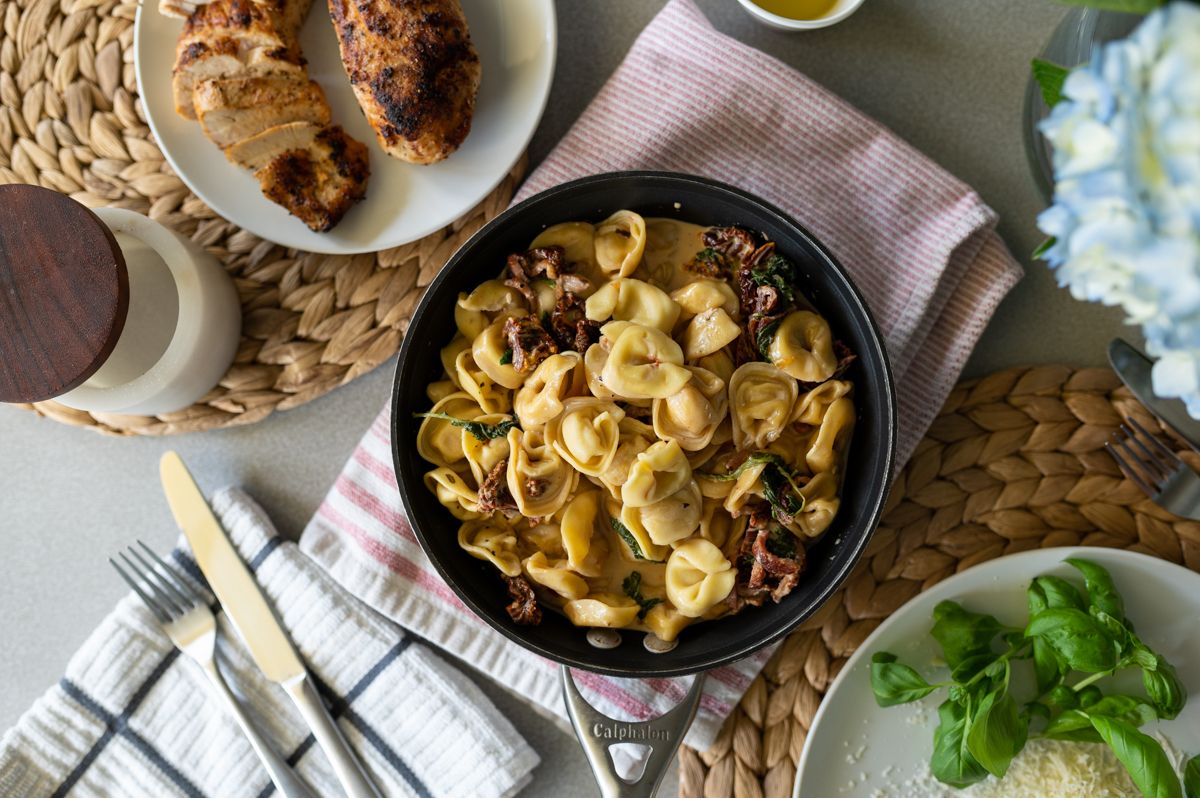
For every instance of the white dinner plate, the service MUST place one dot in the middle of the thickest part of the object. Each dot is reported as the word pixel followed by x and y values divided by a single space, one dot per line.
pixel 516 41
pixel 855 747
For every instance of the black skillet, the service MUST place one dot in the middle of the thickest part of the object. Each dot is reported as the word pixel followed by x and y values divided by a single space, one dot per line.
pixel 706 645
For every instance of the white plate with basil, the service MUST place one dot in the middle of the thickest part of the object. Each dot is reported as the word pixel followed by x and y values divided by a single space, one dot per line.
pixel 1144 618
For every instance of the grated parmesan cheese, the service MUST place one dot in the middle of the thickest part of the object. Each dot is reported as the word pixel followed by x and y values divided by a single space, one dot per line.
pixel 1053 769
pixel 1043 769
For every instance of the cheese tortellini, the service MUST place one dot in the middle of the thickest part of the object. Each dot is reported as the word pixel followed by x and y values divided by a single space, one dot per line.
pixel 627 412
pixel 644 363
pixel 761 398
pixel 698 577
pixel 691 415
pixel 626 299
pixel 803 347
pixel 620 242
pixel 586 433
pixel 556 378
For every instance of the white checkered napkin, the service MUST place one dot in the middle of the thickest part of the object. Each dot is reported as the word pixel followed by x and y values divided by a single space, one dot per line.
pixel 133 717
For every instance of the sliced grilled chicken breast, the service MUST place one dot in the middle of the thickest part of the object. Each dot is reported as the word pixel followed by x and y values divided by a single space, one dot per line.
pixel 239 108
pixel 414 71
pixel 198 61
pixel 256 152
pixel 320 182
pixel 238 68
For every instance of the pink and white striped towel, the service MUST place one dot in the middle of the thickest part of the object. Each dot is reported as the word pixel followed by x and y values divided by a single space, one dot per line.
pixel 918 242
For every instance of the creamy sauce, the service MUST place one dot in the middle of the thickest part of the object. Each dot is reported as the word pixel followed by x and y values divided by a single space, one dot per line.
pixel 797 9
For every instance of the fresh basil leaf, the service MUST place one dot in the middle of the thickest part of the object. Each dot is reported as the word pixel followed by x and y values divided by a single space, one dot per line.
pixel 1122 6
pixel 1057 593
pixel 895 683
pixel 1076 724
pixel 481 431
pixel 1063 697
pixel 1037 710
pixel 1102 593
pixel 1078 638
pixel 970 666
pixel 1191 778
pixel 952 761
pixel 1115 628
pixel 1089 696
pixel 506 357
pixel 1050 78
pixel 997 733
pixel 1164 688
pixel 1144 658
pixel 1047 665
pixel 1142 756
pixel 962 633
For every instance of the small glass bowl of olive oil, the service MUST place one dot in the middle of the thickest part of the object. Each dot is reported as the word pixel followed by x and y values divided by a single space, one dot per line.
pixel 800 14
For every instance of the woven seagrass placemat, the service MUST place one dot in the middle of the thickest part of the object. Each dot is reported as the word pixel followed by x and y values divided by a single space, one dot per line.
pixel 1014 461
pixel 71 120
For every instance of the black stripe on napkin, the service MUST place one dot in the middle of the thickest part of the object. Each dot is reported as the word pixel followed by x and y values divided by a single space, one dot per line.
pixel 118 725
pixel 135 701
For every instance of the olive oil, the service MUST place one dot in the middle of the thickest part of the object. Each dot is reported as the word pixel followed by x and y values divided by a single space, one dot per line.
pixel 797 9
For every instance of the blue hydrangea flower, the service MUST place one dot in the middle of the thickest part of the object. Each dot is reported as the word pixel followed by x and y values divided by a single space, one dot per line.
pixel 1126 212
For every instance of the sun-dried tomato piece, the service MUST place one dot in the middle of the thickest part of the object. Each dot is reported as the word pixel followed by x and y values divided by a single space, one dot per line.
pixel 570 326
pixel 762 572
pixel 493 491
pixel 546 262
pixel 529 341
pixel 725 250
pixel 524 609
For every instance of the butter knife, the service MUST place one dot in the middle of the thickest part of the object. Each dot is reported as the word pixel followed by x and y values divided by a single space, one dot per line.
pixel 1134 370
pixel 255 622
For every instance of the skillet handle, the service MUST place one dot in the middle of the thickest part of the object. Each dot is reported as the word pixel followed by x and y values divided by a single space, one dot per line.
pixel 596 732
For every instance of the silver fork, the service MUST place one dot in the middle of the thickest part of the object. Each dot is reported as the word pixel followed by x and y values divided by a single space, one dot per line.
pixel 190 624
pixel 1156 469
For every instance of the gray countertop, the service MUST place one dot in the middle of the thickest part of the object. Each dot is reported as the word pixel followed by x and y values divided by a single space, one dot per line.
pixel 947 75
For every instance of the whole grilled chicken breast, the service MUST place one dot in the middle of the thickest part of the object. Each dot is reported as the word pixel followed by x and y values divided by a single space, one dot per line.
pixel 414 71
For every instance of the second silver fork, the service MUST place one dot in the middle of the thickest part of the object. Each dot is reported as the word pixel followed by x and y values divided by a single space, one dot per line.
pixel 1156 469
pixel 188 621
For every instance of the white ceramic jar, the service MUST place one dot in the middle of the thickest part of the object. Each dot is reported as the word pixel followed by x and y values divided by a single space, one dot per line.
pixel 117 314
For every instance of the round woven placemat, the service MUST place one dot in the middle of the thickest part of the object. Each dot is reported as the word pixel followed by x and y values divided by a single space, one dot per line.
pixel 71 120
pixel 1014 461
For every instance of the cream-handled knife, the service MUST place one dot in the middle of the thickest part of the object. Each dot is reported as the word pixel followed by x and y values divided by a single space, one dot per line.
pixel 255 621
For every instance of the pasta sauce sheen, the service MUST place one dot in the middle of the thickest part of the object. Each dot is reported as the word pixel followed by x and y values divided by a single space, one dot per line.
pixel 641 423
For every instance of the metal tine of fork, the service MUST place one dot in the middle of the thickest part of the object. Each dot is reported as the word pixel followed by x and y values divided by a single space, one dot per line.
pixel 1162 448
pixel 189 593
pixel 1152 464
pixel 164 601
pixel 164 580
pixel 1128 470
pixel 150 603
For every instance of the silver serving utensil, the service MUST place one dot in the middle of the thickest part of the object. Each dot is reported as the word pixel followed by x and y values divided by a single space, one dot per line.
pixel 1134 370
pixel 190 624
pixel 1156 470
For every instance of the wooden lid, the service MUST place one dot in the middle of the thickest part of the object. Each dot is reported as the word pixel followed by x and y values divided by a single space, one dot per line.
pixel 64 293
